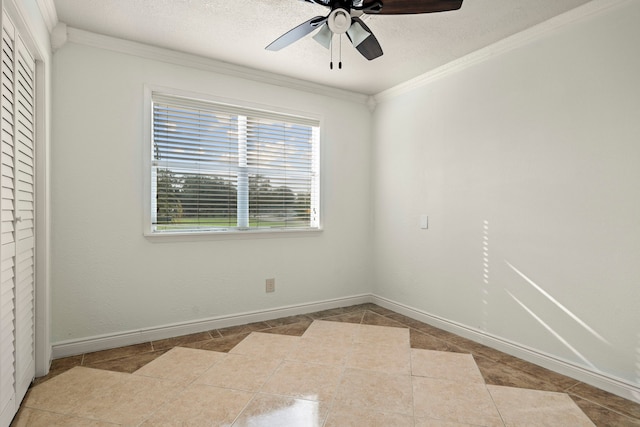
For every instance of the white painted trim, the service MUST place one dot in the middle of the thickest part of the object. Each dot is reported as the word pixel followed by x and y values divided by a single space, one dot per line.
pixel 49 13
pixel 372 103
pixel 207 64
pixel 515 41
pixel 600 380
pixel 59 36
pixel 43 224
pixel 24 25
pixel 121 339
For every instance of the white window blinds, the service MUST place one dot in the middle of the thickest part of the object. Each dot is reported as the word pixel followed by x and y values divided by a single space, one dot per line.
pixel 218 167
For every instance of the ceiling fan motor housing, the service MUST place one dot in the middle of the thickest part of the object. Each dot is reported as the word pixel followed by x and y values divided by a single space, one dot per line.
pixel 341 4
pixel 339 21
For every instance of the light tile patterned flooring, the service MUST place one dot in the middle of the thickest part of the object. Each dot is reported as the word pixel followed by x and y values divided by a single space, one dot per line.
pixel 355 366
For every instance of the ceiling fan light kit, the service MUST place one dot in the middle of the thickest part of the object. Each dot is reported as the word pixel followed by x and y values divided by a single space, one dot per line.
pixel 344 17
pixel 339 21
pixel 357 34
pixel 324 36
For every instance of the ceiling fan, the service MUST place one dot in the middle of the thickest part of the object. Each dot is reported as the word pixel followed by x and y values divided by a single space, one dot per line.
pixel 344 17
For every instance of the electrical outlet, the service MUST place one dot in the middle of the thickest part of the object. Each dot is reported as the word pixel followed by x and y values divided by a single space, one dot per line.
pixel 270 285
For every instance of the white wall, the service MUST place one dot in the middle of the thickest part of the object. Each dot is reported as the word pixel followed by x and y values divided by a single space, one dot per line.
pixel 538 151
pixel 107 278
pixel 535 150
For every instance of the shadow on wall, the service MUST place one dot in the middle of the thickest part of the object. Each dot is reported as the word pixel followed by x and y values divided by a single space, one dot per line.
pixel 568 312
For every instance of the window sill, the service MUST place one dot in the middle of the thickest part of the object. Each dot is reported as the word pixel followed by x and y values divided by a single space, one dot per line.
pixel 194 236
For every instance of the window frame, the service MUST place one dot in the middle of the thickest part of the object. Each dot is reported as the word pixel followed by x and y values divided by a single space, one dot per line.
pixel 219 233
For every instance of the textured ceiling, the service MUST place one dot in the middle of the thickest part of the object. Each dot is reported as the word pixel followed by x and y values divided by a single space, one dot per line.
pixel 236 32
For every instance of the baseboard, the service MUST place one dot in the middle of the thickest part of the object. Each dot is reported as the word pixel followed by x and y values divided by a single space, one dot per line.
pixel 121 339
pixel 602 381
pixel 611 384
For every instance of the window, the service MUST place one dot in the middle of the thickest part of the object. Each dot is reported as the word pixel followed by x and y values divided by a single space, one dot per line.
pixel 218 167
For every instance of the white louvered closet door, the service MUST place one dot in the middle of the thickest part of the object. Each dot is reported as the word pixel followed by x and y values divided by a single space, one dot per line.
pixel 17 221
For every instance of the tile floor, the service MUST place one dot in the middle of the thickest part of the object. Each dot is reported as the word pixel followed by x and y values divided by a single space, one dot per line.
pixel 356 366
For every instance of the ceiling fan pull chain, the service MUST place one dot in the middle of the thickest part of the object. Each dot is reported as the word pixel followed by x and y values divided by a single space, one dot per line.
pixel 331 52
pixel 340 53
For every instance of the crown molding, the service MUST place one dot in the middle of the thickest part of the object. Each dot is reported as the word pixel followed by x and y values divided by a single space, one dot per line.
pixel 48 12
pixel 371 103
pixel 510 43
pixel 59 36
pixel 142 50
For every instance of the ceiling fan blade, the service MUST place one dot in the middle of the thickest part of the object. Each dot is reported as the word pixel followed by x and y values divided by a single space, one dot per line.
pixel 400 7
pixel 297 33
pixel 368 46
